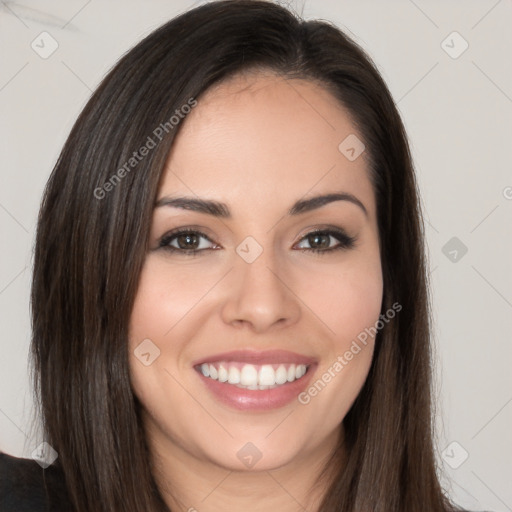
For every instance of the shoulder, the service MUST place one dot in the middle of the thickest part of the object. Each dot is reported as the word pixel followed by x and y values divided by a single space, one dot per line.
pixel 27 486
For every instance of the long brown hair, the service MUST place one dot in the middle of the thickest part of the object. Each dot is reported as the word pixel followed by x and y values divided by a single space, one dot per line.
pixel 92 239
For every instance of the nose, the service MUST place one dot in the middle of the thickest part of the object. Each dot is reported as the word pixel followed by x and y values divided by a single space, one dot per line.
pixel 259 296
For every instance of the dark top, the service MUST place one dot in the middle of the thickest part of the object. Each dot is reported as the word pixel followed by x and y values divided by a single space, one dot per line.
pixel 26 487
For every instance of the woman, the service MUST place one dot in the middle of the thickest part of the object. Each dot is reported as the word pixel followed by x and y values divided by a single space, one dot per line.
pixel 229 301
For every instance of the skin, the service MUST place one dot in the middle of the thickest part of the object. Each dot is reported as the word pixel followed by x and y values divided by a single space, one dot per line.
pixel 257 143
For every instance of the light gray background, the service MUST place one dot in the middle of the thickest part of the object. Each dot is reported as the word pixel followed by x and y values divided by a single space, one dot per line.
pixel 458 113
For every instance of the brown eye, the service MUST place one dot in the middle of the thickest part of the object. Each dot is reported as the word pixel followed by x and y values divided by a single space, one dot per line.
pixel 321 241
pixel 186 241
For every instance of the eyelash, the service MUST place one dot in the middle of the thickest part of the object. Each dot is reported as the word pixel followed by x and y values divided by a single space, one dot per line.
pixel 345 241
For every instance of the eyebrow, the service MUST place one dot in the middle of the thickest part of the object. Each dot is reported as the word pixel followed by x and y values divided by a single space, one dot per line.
pixel 221 210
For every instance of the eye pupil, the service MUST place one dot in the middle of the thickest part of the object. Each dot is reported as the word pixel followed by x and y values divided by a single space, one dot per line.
pixel 187 238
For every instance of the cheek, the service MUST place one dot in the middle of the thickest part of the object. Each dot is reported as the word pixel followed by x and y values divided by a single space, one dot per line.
pixel 160 304
pixel 165 312
pixel 164 299
pixel 345 301
pixel 355 305
pixel 349 304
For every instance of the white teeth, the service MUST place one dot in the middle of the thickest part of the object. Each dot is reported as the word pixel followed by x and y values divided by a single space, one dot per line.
pixel 281 375
pixel 253 377
pixel 249 376
pixel 223 374
pixel 205 369
pixel 300 371
pixel 267 375
pixel 255 387
pixel 234 375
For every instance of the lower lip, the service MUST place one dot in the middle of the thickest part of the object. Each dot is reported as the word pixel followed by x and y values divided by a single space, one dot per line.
pixel 257 400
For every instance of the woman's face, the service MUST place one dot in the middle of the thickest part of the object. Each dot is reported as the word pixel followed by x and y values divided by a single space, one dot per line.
pixel 256 305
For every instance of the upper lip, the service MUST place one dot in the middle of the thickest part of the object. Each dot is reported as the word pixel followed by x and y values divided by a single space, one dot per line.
pixel 258 357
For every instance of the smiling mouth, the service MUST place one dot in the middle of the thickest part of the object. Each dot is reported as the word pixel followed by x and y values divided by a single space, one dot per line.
pixel 253 376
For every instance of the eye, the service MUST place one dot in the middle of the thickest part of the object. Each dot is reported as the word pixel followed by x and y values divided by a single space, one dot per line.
pixel 189 241
pixel 186 241
pixel 321 241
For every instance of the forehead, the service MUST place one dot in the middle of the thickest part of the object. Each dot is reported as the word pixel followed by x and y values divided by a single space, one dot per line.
pixel 264 137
